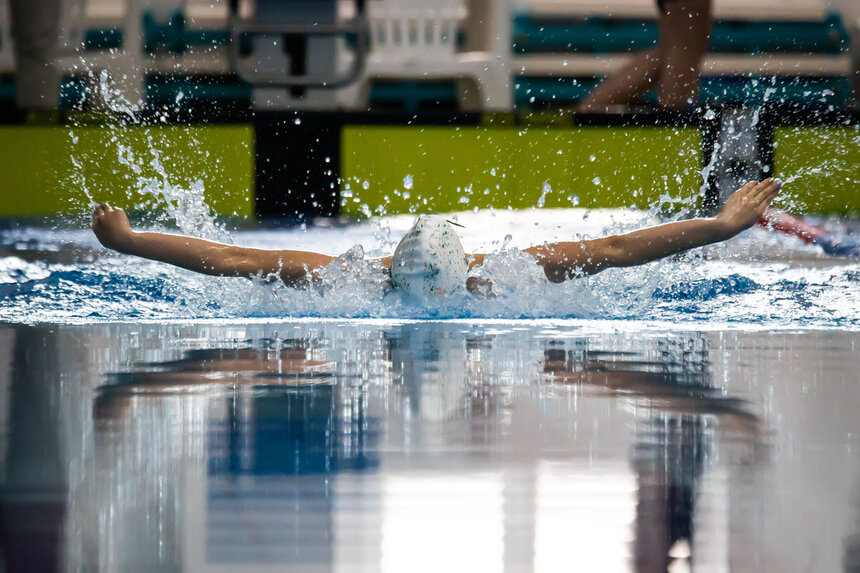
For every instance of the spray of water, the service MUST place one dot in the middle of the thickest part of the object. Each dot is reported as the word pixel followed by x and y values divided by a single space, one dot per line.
pixel 355 285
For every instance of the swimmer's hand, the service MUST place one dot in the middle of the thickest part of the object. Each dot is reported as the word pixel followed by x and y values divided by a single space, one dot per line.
pixel 746 205
pixel 112 228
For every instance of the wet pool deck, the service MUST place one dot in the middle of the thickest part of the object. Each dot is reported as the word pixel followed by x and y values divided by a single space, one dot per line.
pixel 428 446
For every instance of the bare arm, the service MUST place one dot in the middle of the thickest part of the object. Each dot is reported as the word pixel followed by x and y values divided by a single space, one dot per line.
pixel 113 230
pixel 745 206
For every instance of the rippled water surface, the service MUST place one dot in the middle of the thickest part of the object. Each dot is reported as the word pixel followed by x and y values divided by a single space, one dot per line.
pixel 697 413
pixel 527 445
pixel 757 280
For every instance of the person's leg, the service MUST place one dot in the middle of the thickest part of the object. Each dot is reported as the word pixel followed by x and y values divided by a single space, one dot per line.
pixel 685 32
pixel 35 26
pixel 621 88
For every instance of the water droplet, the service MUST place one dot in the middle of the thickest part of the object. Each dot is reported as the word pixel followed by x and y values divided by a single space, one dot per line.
pixel 365 185
pixel 592 158
pixel 407 182
pixel 596 180
pixel 297 121
pixel 542 199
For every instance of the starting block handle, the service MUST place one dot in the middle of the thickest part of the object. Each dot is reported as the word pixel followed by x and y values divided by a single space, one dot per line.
pixel 243 66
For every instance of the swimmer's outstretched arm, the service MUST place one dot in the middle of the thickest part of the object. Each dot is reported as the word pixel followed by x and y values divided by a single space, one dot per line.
pixel 742 210
pixel 113 230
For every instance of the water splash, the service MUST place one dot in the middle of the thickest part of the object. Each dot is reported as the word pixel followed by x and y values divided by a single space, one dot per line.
pixel 545 190
pixel 184 206
pixel 721 284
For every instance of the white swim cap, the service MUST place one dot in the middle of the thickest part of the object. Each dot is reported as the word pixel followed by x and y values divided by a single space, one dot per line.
pixel 430 259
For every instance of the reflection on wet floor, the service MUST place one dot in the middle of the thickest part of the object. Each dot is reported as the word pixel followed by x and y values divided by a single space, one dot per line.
pixel 426 446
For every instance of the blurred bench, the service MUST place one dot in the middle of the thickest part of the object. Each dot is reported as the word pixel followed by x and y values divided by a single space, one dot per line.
pixel 561 49
pixel 792 50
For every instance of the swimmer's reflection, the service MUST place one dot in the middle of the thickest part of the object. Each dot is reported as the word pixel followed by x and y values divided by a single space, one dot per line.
pixel 669 454
pixel 279 423
pixel 670 384
pixel 283 424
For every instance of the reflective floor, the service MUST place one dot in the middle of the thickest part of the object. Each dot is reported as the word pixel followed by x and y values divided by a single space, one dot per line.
pixel 427 446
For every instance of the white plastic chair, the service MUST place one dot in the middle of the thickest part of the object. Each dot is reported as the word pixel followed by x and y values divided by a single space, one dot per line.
pixel 410 30
pixel 417 39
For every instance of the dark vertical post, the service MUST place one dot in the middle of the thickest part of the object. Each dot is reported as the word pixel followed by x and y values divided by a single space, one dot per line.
pixel 298 165
pixel 764 135
pixel 710 137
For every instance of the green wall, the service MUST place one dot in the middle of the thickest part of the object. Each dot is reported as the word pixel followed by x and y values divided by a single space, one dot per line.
pixel 824 163
pixel 452 167
pixel 40 176
pixel 508 166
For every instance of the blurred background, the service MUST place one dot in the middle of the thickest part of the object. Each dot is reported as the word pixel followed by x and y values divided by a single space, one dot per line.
pixel 315 108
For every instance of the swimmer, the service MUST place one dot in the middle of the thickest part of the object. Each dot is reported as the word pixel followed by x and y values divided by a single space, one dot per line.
pixel 430 260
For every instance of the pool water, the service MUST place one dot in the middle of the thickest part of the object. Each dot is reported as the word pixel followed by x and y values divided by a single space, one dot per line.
pixel 420 445
pixel 757 280
pixel 696 413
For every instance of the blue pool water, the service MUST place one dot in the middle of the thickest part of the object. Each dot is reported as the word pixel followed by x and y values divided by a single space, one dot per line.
pixel 427 445
pixel 697 413
pixel 758 280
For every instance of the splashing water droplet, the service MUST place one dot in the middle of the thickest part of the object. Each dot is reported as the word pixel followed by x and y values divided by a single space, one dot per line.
pixel 407 182
pixel 542 199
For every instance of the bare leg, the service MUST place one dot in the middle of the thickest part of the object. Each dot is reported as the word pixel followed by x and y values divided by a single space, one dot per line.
pixel 35 26
pixel 622 87
pixel 685 32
